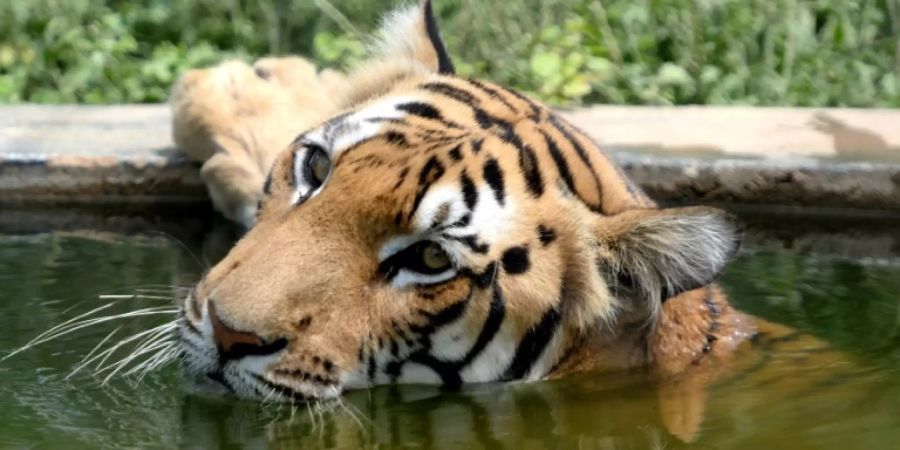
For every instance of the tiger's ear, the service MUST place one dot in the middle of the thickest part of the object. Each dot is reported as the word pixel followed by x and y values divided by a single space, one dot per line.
pixel 650 255
pixel 408 45
pixel 412 34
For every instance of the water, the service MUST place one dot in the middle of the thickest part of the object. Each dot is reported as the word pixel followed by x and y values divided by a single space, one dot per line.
pixel 846 397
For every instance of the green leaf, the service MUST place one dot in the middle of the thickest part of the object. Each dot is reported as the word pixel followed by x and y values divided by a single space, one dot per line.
pixel 545 64
pixel 671 74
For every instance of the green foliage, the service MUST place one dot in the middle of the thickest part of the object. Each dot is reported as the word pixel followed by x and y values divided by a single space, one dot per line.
pixel 758 52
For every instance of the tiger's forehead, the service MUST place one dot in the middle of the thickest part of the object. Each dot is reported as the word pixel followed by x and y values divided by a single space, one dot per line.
pixel 449 104
pixel 439 114
pixel 353 128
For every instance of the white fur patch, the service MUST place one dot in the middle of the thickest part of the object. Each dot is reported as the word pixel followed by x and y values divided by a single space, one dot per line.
pixel 434 201
pixel 493 360
pixel 397 244
pixel 399 32
pixel 358 126
pixel 355 379
pixel 490 220
pixel 417 373
pixel 453 341
pixel 409 278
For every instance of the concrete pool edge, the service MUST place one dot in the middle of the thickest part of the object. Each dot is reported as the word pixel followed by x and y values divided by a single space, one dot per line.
pixel 841 158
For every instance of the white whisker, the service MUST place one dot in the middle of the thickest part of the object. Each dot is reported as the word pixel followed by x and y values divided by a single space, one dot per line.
pixel 38 339
pixel 106 354
pixel 118 366
pixel 82 363
pixel 91 322
pixel 134 296
pixel 312 416
pixel 346 408
pixel 162 358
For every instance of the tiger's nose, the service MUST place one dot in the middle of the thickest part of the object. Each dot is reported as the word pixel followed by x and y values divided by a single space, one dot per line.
pixel 233 344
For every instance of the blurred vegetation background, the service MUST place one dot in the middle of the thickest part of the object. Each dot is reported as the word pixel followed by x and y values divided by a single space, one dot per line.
pixel 567 52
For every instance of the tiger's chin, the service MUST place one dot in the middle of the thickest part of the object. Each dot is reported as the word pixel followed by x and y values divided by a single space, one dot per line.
pixel 234 380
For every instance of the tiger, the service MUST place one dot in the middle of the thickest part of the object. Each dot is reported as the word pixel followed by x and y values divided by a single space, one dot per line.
pixel 451 231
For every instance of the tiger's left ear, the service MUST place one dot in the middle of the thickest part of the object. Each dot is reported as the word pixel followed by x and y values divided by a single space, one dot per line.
pixel 408 46
pixel 412 34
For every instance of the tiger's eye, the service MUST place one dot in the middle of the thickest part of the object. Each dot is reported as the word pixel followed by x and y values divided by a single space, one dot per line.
pixel 318 165
pixel 434 257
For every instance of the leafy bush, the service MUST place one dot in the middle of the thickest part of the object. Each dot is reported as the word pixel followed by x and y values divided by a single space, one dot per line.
pixel 758 52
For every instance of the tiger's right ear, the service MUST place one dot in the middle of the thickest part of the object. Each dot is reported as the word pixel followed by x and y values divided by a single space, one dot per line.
pixel 650 255
pixel 407 45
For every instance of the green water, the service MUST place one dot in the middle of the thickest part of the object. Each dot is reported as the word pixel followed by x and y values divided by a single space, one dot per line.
pixel 47 278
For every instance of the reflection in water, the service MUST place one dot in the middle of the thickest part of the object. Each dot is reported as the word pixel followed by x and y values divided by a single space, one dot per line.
pixel 795 393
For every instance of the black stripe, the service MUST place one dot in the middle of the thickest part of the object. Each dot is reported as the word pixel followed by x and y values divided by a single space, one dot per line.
pixel 484 119
pixel 429 112
pixel 471 241
pixel 476 145
pixel 555 121
pixel 494 178
pixel 445 316
pixel 396 138
pixel 470 194
pixel 484 279
pixel 451 91
pixel 493 93
pixel 489 329
pixel 546 234
pixel 445 66
pixel 582 154
pixel 528 163
pixel 532 345
pixel 420 109
pixel 561 165
pixel 455 153
pixel 431 172
pixel 535 109
pixel 402 177
pixel 267 186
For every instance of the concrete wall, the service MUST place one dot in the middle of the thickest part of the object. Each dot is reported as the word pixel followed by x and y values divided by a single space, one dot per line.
pixel 831 158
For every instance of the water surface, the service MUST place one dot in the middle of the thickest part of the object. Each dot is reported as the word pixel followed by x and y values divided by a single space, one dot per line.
pixel 852 303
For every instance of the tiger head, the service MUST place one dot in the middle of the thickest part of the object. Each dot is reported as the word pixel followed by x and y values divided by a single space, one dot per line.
pixel 441 230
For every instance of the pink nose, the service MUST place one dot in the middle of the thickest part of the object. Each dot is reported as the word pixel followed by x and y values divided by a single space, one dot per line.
pixel 233 344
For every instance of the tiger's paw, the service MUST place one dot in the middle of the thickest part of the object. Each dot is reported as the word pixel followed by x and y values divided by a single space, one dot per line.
pixel 236 118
